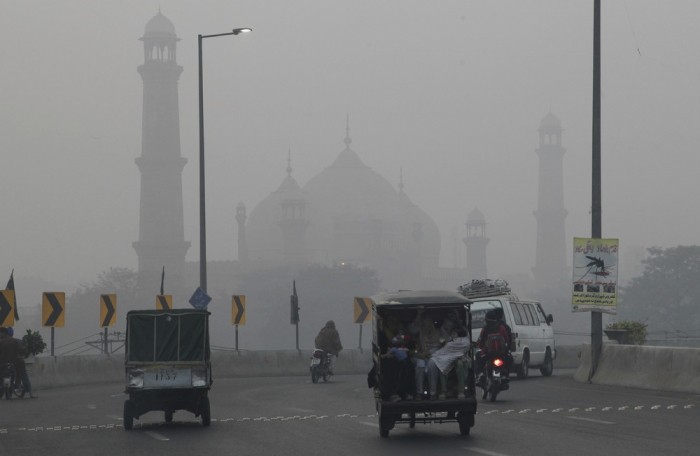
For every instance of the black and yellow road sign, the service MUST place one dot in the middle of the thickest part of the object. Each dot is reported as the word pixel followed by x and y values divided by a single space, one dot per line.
pixel 238 310
pixel 164 302
pixel 108 310
pixel 7 308
pixel 363 308
pixel 53 306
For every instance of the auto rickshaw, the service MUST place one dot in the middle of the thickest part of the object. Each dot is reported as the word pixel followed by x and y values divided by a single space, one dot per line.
pixel 167 363
pixel 394 312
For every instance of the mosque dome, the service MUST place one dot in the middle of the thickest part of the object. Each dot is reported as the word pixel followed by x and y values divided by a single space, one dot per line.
pixel 550 122
pixel 159 27
pixel 476 217
pixel 352 214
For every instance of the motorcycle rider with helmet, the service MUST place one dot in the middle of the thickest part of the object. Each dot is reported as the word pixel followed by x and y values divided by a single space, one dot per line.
pixel 493 341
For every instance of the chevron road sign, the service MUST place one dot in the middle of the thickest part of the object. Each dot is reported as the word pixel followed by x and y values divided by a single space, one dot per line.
pixel 363 308
pixel 164 302
pixel 53 305
pixel 238 310
pixel 7 308
pixel 108 310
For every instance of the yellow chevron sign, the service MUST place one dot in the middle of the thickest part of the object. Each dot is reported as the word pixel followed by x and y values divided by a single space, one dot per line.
pixel 164 302
pixel 238 310
pixel 53 305
pixel 108 310
pixel 7 308
pixel 363 309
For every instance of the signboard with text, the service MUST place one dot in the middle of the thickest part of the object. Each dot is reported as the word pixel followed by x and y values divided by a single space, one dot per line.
pixel 595 275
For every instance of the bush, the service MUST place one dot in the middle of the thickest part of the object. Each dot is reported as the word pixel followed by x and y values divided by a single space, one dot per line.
pixel 636 330
pixel 34 342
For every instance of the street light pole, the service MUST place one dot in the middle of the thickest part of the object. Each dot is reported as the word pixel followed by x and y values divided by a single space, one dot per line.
pixel 202 206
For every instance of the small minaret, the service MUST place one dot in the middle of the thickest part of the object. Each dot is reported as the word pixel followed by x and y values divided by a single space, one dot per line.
pixel 161 225
pixel 293 220
pixel 242 246
pixel 550 255
pixel 476 241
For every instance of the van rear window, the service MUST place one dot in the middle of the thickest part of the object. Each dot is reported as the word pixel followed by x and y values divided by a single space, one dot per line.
pixel 478 311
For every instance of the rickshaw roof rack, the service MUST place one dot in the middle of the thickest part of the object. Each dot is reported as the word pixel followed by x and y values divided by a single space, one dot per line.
pixel 482 288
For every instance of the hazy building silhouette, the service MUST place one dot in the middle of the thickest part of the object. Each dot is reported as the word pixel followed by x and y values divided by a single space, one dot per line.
pixel 550 255
pixel 161 226
pixel 476 241
pixel 347 214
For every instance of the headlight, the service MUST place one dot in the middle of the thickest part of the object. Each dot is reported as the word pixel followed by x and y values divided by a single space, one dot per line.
pixel 135 378
pixel 199 377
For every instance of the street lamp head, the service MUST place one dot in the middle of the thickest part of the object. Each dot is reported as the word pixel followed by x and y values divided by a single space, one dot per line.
pixel 242 30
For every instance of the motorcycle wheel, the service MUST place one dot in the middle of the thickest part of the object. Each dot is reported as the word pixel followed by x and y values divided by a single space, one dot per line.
pixel 169 417
pixel 314 375
pixel 326 376
pixel 19 391
pixel 493 391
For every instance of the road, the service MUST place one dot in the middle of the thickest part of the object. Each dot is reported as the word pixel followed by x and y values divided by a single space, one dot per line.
pixel 292 416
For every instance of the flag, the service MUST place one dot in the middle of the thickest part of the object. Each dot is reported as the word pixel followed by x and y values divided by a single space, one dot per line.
pixel 162 279
pixel 11 286
pixel 294 304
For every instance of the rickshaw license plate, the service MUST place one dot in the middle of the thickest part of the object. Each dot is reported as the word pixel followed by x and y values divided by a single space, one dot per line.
pixel 315 361
pixel 167 377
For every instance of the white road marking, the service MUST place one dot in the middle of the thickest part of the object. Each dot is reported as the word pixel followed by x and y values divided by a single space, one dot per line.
pixel 486 452
pixel 590 420
pixel 157 436
pixel 366 423
pixel 115 417
pixel 92 407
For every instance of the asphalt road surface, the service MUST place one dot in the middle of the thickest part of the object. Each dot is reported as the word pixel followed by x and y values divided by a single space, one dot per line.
pixel 292 416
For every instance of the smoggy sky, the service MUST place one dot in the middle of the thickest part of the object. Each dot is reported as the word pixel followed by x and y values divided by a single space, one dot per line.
pixel 452 92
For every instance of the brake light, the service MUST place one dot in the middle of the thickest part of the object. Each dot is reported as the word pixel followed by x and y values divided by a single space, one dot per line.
pixel 498 362
pixel 318 354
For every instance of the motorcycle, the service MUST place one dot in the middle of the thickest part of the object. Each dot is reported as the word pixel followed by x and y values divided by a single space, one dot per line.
pixel 495 379
pixel 320 365
pixel 8 374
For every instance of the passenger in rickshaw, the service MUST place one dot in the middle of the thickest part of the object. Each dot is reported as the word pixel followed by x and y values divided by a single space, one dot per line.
pixel 450 357
pixel 428 341
pixel 397 370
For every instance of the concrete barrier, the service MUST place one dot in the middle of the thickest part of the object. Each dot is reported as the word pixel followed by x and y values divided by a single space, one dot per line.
pixel 656 368
pixel 61 371
pixel 659 368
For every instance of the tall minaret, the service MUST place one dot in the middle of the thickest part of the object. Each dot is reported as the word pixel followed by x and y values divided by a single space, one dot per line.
pixel 550 255
pixel 161 227
pixel 241 218
pixel 476 241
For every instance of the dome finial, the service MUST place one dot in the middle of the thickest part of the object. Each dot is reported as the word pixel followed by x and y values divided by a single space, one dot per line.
pixel 348 141
pixel 289 162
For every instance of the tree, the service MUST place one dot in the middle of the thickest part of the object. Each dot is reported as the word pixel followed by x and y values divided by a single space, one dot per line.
pixel 667 294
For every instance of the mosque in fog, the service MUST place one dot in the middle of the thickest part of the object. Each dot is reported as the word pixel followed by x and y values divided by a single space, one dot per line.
pixel 345 214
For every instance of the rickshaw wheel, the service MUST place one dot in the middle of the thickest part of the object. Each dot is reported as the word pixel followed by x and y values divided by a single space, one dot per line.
pixel 206 412
pixel 128 415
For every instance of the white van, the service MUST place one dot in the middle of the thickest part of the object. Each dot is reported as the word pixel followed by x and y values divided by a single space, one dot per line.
pixel 533 334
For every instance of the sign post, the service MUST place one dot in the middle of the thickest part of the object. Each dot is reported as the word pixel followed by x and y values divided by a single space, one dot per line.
pixel 294 307
pixel 108 315
pixel 53 305
pixel 361 310
pixel 237 313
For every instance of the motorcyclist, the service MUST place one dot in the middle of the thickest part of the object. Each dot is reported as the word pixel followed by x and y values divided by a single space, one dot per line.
pixel 328 340
pixel 9 349
pixel 493 341
pixel 20 366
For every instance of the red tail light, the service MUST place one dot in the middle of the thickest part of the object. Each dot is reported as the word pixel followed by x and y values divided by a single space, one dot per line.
pixel 498 362
pixel 318 354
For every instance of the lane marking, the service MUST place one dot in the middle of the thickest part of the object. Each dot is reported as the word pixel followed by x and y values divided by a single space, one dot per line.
pixel 367 423
pixel 580 418
pixel 157 436
pixel 486 452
